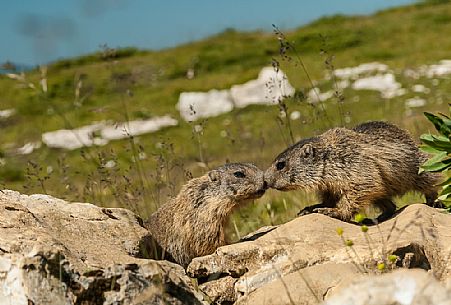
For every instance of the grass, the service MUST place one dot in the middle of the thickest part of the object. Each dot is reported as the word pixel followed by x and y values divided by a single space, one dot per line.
pixel 132 84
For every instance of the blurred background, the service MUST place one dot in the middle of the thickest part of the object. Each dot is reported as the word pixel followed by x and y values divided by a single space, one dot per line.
pixel 119 103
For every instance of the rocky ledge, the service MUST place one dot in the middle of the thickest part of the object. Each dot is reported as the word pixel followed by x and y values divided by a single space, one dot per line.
pixel 56 252
pixel 313 258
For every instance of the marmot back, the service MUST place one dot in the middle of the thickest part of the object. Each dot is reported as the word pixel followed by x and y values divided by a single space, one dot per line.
pixel 353 168
pixel 192 224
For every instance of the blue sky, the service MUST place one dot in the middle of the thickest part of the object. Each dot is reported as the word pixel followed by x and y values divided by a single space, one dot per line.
pixel 34 32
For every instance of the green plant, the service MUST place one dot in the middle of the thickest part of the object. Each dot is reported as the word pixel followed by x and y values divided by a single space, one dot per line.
pixel 439 146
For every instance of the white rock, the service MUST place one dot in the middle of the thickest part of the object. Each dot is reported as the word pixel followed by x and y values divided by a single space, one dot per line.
pixel 136 128
pixel 7 113
pixel 110 164
pixel 28 148
pixel 267 89
pixel 197 105
pixel 441 69
pixel 74 138
pixel 419 88
pixel 13 288
pixel 355 72
pixel 412 73
pixel 19 77
pixel 403 287
pixel 295 115
pixel 393 93
pixel 190 73
pixel 142 156
pixel 384 83
pixel 304 261
pixel 415 102
pixel 53 252
pixel 198 128
pixel 270 87
pixel 101 133
pixel 343 84
pixel 315 95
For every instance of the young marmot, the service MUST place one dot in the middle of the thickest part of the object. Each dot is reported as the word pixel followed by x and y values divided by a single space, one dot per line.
pixel 353 168
pixel 192 224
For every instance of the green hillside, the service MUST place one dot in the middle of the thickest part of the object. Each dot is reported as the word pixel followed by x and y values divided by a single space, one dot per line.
pixel 128 84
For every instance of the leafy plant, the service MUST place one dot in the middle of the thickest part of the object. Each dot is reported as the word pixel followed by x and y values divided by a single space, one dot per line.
pixel 439 146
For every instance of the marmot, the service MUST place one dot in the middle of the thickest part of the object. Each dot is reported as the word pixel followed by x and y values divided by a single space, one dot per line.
pixel 192 224
pixel 353 168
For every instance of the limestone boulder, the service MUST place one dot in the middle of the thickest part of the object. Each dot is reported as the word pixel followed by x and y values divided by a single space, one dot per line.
pixel 57 252
pixel 269 88
pixel 306 259
pixel 197 105
pixel 403 286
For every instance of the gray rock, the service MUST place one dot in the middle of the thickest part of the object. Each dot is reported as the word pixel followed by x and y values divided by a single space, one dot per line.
pixel 403 287
pixel 275 265
pixel 56 252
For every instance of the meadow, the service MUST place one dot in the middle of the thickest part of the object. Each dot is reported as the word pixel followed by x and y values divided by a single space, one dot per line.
pixel 141 172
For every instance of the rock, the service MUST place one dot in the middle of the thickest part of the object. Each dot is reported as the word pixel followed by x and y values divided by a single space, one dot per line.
pixel 295 115
pixel 443 68
pixel 268 89
pixel 6 113
pixel 28 148
pixel 220 291
pixel 305 286
pixel 74 138
pixel 315 95
pixel 78 230
pixel 101 133
pixel 416 287
pixel 415 102
pixel 136 128
pixel 384 83
pixel 419 88
pixel 45 277
pixel 304 259
pixel 363 69
pixel 56 252
pixel 197 105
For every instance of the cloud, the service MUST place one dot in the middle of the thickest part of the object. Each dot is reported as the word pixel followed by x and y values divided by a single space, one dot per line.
pixel 94 8
pixel 47 33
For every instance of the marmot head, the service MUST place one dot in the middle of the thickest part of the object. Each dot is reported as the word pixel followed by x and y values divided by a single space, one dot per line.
pixel 238 181
pixel 299 166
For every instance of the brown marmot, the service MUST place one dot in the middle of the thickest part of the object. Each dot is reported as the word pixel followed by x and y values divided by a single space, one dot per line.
pixel 353 168
pixel 192 224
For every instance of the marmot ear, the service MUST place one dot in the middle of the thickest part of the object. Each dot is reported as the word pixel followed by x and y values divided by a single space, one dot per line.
pixel 308 150
pixel 213 175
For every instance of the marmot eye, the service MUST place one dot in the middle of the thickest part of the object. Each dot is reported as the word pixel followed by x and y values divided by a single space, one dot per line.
pixel 280 165
pixel 239 174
